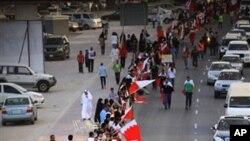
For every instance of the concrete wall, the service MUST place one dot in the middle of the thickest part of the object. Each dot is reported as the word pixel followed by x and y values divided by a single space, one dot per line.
pixel 12 35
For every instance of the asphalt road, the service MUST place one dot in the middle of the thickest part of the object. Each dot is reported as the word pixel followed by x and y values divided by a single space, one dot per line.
pixel 60 115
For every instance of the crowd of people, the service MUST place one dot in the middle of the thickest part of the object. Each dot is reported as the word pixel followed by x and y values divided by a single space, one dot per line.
pixel 148 64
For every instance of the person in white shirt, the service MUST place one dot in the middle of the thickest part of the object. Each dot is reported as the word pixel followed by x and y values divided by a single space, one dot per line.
pixel 91 136
pixel 171 74
pixel 86 102
pixel 114 54
pixel 114 40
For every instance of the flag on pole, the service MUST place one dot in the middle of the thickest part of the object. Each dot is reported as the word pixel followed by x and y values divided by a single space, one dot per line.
pixel 129 114
pixel 136 85
pixel 131 131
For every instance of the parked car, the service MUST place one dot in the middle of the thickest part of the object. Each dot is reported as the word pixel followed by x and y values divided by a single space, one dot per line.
pixel 87 19
pixel 246 27
pixel 26 77
pixel 240 48
pixel 19 108
pixel 226 77
pixel 235 61
pixel 73 26
pixel 11 89
pixel 215 69
pixel 222 127
pixel 57 46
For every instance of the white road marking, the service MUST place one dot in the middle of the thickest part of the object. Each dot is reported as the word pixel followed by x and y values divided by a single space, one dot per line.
pixel 201 81
pixel 209 60
pixel 195 125
pixel 195 140
pixel 204 73
pixel 195 133
pixel 197 100
pixel 199 90
pixel 196 112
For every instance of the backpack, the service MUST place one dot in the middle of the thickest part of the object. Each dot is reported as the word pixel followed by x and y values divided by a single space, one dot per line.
pixel 188 87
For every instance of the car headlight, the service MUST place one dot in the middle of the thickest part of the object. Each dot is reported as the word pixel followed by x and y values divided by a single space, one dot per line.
pixel 218 139
pixel 60 49
pixel 210 75
pixel 217 85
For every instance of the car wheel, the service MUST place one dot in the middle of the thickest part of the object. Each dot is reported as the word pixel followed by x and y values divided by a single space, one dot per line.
pixel 43 86
pixel 209 83
pixel 36 118
pixel 3 123
pixel 32 121
pixel 86 27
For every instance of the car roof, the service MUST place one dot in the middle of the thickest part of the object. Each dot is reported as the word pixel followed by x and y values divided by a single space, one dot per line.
pixel 18 96
pixel 230 70
pixel 238 42
pixel 13 64
pixel 231 55
pixel 220 62
pixel 232 36
pixel 240 89
pixel 233 117
pixel 7 83
pixel 244 25
pixel 242 22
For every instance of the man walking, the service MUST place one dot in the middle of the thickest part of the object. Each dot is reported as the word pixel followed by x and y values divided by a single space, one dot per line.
pixel 123 55
pixel 80 60
pixel 103 74
pixel 70 137
pixel 194 56
pixel 220 20
pixel 92 55
pixel 117 70
pixel 167 89
pixel 188 88
pixel 86 102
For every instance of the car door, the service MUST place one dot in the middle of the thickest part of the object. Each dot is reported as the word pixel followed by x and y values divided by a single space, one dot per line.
pixel 8 90
pixel 20 75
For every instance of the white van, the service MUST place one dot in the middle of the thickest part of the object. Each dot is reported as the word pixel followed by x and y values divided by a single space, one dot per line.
pixel 238 99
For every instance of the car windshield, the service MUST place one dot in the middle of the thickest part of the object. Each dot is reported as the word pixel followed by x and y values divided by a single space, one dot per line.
pixel 224 124
pixel 54 41
pixel 220 67
pixel 231 59
pixel 229 76
pixel 225 42
pixel 243 102
pixel 16 101
pixel 21 89
pixel 237 32
pixel 238 47
pixel 247 29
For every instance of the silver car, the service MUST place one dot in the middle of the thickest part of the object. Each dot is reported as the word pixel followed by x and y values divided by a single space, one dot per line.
pixel 226 77
pixel 222 128
pixel 235 61
pixel 215 69
pixel 19 108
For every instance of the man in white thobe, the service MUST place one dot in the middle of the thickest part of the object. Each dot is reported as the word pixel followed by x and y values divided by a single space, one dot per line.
pixel 86 102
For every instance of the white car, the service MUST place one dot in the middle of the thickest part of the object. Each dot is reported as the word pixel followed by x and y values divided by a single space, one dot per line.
pixel 241 22
pixel 235 61
pixel 11 89
pixel 222 127
pixel 240 48
pixel 225 41
pixel 24 76
pixel 226 77
pixel 215 69
pixel 245 27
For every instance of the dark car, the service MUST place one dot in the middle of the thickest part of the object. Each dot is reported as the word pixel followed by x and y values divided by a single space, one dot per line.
pixel 115 16
pixel 57 47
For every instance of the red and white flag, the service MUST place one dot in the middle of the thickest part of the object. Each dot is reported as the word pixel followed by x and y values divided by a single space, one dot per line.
pixel 139 99
pixel 137 85
pixel 129 114
pixel 131 131
pixel 141 66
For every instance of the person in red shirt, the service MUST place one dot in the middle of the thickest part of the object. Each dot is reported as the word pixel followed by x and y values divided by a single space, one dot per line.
pixel 80 60
pixel 123 55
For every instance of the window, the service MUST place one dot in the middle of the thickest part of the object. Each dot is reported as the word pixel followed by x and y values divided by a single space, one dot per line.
pixel 23 71
pixel 12 70
pixel 243 102
pixel 9 89
pixel 85 16
pixel 1 69
pixel 17 101
pixel 77 16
